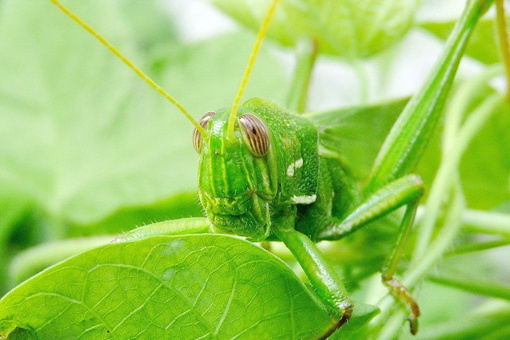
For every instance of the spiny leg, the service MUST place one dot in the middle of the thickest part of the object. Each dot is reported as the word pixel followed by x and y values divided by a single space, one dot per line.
pixel 403 191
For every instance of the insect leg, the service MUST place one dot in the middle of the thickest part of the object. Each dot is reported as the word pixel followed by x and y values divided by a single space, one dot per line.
pixel 397 289
pixel 403 191
pixel 322 276
pixel 192 225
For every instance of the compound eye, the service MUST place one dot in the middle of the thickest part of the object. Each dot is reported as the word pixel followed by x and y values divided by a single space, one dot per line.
pixel 255 134
pixel 197 136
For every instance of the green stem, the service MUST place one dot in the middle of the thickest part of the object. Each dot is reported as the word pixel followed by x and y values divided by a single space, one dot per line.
pixel 306 57
pixel 476 247
pixel 446 185
pixel 362 79
pixel 417 270
pixel 486 222
pixel 392 326
pixel 455 144
pixel 460 102
pixel 472 284
pixel 447 172
pixel 447 234
pixel 504 44
pixel 486 324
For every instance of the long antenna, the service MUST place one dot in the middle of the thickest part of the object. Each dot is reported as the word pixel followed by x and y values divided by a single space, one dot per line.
pixel 251 61
pixel 130 64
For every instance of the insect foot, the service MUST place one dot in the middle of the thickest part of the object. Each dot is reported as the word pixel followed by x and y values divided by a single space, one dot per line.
pixel 347 313
pixel 399 291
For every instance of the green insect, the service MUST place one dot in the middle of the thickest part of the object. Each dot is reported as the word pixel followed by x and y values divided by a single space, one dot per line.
pixel 265 174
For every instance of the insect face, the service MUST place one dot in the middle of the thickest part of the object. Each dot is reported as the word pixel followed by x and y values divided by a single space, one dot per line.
pixel 235 184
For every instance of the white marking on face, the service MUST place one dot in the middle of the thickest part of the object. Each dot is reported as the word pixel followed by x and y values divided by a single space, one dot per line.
pixel 304 199
pixel 296 165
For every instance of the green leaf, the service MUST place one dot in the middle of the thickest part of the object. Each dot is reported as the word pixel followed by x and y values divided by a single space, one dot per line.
pixel 78 134
pixel 181 205
pixel 485 167
pixel 351 29
pixel 167 287
pixel 483 170
pixel 33 260
pixel 81 135
pixel 213 69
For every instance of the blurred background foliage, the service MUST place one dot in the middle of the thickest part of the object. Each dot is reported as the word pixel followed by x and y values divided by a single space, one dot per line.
pixel 86 148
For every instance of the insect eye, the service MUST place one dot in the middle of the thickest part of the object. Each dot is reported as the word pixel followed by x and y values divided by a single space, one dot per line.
pixel 197 136
pixel 255 134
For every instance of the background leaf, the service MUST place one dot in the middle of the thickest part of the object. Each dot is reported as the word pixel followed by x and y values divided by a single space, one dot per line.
pixel 483 45
pixel 357 132
pixel 351 29
pixel 81 135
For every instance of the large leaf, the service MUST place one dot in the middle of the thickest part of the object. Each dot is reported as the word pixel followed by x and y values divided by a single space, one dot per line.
pixel 169 287
pixel 351 29
pixel 81 135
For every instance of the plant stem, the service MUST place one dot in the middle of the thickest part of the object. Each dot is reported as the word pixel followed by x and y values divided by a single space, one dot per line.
pixel 306 57
pixel 503 42
pixel 486 222
pixel 455 141
pixel 362 80
pixel 417 269
pixel 443 240
pixel 476 247
pixel 446 175
pixel 472 284
pixel 489 323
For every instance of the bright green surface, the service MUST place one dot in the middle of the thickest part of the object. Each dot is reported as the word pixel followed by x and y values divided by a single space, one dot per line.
pixel 167 287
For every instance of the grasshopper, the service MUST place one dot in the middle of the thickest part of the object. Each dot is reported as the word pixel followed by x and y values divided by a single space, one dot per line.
pixel 265 175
